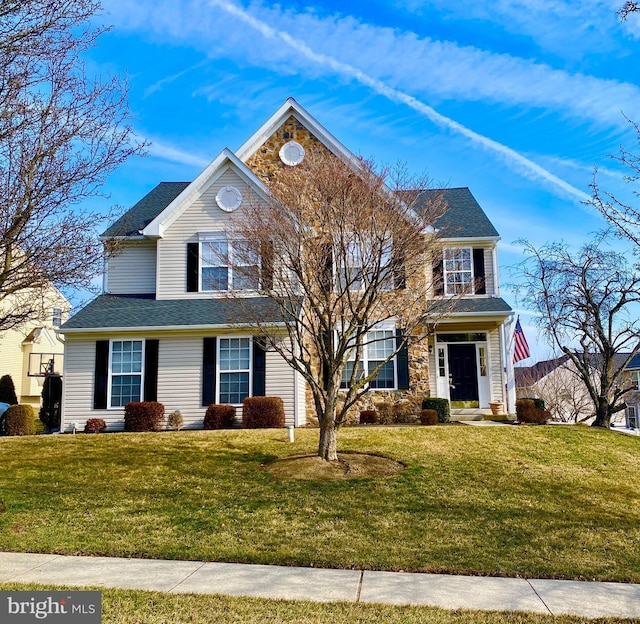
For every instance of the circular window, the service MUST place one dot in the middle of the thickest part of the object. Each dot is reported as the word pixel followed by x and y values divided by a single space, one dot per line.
pixel 291 153
pixel 229 198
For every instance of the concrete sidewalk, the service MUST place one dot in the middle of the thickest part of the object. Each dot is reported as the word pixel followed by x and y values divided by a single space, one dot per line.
pixel 448 591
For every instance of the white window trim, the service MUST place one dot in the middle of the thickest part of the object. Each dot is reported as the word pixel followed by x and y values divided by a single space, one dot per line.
pixel 472 291
pixel 382 326
pixel 110 371
pixel 354 252
pixel 219 370
pixel 231 243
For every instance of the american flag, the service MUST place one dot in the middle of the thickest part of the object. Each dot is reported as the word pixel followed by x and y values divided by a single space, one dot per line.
pixel 521 347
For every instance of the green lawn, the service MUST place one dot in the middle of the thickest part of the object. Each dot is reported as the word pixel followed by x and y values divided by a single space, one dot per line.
pixel 561 502
pixel 142 607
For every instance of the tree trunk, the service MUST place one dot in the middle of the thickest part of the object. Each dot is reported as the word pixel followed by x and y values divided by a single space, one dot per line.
pixel 603 415
pixel 327 448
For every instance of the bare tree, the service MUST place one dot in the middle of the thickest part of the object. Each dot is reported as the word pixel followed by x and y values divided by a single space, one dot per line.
pixel 344 249
pixel 585 299
pixel 61 135
pixel 627 8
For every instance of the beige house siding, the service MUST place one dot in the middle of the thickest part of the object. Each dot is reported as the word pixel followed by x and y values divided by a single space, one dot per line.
pixel 202 216
pixel 132 270
pixel 495 366
pixel 179 380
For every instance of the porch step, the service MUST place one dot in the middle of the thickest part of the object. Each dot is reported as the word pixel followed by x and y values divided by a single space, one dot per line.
pixel 461 415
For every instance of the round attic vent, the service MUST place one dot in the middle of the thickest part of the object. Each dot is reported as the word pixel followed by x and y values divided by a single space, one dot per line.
pixel 291 153
pixel 229 198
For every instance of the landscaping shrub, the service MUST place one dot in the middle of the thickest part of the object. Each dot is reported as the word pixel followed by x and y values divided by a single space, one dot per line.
pixel 404 412
pixel 441 406
pixel 262 412
pixel 429 417
pixel 528 412
pixel 368 417
pixel 175 420
pixel 219 417
pixel 143 416
pixel 7 390
pixel 51 402
pixel 19 420
pixel 95 425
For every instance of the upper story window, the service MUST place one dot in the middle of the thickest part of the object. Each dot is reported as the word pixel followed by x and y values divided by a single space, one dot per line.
pixel 356 271
pixel 462 271
pixel 635 375
pixel 218 263
pixel 56 317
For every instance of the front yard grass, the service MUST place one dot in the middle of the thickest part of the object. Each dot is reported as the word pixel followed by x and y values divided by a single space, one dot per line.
pixel 135 607
pixel 554 502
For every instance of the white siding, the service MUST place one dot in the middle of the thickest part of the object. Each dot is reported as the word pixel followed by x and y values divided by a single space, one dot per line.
pixel 179 381
pixel 132 271
pixel 203 215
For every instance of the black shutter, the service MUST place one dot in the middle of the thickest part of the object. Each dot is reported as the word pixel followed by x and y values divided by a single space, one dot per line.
pixel 151 370
pixel 478 272
pixel 438 273
pixel 266 270
pixel 101 375
pixel 402 362
pixel 208 371
pixel 193 256
pixel 259 367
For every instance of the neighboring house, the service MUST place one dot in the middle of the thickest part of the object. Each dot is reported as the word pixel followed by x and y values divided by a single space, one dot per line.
pixel 632 399
pixel 564 393
pixel 166 328
pixel 35 347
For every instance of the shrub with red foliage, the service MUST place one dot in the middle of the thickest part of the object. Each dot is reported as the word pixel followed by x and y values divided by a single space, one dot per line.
pixel 219 417
pixel 528 412
pixel 429 417
pixel 368 417
pixel 143 416
pixel 95 425
pixel 262 413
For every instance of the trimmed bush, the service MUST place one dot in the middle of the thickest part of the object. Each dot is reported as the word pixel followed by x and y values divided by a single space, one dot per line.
pixel 7 390
pixel 95 425
pixel 175 420
pixel 441 406
pixel 143 416
pixel 262 413
pixel 528 412
pixel 19 420
pixel 219 417
pixel 368 417
pixel 429 417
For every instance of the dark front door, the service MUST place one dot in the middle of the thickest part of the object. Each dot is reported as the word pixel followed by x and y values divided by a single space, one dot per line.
pixel 463 373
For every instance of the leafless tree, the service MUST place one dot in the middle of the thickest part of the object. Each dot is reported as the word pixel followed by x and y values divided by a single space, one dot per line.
pixel 61 134
pixel 343 249
pixel 628 8
pixel 585 299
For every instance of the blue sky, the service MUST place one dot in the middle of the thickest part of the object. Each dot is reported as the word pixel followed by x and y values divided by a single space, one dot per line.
pixel 518 100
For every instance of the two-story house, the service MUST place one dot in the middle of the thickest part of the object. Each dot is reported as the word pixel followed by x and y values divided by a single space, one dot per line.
pixel 166 328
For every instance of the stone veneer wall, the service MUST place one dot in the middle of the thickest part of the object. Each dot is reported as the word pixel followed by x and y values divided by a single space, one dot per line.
pixel 266 160
pixel 405 405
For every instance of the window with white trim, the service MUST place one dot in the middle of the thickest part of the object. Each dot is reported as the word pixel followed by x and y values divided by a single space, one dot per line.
pixel 227 264
pixel 56 317
pixel 458 270
pixel 125 371
pixel 636 378
pixel 356 272
pixel 378 345
pixel 234 370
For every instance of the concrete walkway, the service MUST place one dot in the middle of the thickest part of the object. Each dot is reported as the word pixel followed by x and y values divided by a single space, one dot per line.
pixel 450 592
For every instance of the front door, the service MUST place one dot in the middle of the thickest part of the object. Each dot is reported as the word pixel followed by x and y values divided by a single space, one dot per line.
pixel 463 375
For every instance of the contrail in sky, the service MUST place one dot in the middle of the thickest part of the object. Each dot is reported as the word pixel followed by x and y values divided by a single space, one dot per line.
pixel 531 168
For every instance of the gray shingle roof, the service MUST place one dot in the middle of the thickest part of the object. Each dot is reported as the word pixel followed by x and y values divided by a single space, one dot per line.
pixel 127 311
pixel 146 210
pixel 464 218
pixel 479 305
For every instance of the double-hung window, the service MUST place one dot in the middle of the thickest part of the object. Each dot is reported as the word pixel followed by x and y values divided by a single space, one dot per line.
pixel 356 271
pixel 458 270
pixel 227 264
pixel 378 345
pixel 125 372
pixel 234 370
